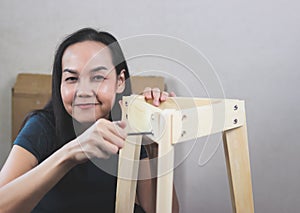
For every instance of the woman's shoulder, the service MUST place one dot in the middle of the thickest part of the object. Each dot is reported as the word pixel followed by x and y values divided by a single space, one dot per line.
pixel 38 121
pixel 38 134
pixel 45 117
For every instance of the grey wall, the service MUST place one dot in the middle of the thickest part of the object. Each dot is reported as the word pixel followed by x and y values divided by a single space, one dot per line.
pixel 254 47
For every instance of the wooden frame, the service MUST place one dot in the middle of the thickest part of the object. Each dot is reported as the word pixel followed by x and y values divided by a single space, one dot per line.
pixel 178 120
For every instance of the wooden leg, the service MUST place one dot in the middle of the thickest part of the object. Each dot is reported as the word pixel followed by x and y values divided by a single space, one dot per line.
pixel 127 175
pixel 165 167
pixel 238 169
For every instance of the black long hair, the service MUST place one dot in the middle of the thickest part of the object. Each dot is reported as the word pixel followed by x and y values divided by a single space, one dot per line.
pixel 64 124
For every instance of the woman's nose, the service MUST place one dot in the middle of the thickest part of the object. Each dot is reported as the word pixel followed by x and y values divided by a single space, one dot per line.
pixel 84 93
pixel 84 89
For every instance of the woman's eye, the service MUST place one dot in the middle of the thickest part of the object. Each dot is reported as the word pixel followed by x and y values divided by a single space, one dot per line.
pixel 71 79
pixel 98 78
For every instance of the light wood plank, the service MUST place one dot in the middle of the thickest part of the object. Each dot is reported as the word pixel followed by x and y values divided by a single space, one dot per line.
pixel 210 119
pixel 129 157
pixel 165 161
pixel 199 117
pixel 238 169
pixel 173 122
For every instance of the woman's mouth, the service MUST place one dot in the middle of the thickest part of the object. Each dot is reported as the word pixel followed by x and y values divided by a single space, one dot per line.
pixel 86 105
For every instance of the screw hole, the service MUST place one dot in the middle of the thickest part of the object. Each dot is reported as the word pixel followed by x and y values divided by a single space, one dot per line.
pixel 152 117
pixel 235 121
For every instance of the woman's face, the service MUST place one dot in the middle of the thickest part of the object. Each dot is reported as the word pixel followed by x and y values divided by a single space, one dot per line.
pixel 89 81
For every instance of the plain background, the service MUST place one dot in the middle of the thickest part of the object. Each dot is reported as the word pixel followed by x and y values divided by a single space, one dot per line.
pixel 254 47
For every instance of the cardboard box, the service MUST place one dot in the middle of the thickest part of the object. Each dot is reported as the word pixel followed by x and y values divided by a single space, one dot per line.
pixel 30 92
pixel 33 91
pixel 139 83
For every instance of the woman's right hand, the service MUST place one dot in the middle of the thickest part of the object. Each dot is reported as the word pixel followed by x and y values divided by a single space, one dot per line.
pixel 101 140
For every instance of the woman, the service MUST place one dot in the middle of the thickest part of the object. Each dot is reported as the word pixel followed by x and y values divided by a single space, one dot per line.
pixel 49 167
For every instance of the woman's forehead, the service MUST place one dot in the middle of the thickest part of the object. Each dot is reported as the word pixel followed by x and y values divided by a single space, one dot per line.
pixel 87 54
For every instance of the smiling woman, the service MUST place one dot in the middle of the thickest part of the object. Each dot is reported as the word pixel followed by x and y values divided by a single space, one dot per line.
pixel 49 168
pixel 89 81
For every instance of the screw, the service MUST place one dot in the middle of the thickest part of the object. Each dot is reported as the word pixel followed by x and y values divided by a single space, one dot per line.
pixel 183 133
pixel 235 121
pixel 235 107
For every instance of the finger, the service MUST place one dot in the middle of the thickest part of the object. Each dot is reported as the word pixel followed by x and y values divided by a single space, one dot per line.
pixel 121 124
pixel 98 147
pixel 114 139
pixel 100 152
pixel 172 94
pixel 107 148
pixel 109 129
pixel 164 95
pixel 147 93
pixel 156 96
pixel 118 129
pixel 114 134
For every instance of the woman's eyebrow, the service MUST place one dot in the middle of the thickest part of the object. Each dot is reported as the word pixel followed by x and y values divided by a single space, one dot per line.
pixel 70 71
pixel 98 69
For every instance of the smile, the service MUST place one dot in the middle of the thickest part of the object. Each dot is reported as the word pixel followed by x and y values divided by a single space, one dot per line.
pixel 86 105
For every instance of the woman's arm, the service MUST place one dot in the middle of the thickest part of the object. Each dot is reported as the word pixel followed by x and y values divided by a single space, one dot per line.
pixel 23 183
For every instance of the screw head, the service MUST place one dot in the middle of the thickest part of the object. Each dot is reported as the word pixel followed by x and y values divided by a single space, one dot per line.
pixel 235 107
pixel 235 121
pixel 152 117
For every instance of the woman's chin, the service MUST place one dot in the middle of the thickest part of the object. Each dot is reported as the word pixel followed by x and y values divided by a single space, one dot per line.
pixel 81 125
pixel 86 121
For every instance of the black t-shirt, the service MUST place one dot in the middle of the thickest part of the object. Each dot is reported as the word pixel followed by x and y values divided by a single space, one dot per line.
pixel 85 188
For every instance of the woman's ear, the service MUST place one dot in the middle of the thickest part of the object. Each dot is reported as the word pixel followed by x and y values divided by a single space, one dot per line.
pixel 121 82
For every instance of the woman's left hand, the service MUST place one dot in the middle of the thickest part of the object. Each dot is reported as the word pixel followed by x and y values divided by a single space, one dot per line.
pixel 156 95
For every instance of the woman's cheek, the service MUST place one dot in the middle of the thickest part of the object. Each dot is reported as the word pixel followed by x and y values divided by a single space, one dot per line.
pixel 106 92
pixel 67 95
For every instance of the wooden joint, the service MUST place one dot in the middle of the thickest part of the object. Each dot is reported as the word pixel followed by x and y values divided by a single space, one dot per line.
pixel 159 125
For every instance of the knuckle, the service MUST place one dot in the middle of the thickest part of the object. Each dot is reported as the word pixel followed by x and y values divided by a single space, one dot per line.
pixel 165 93
pixel 100 121
pixel 115 150
pixel 147 89
pixel 156 90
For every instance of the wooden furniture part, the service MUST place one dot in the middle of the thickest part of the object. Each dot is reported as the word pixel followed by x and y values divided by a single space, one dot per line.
pixel 178 120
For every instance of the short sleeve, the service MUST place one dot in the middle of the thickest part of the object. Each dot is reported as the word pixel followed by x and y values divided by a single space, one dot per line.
pixel 37 136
